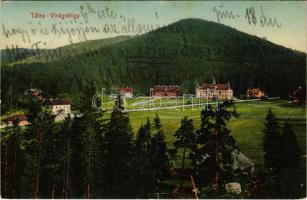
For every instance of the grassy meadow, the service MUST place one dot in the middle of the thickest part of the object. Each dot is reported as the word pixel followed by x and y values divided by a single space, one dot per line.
pixel 247 129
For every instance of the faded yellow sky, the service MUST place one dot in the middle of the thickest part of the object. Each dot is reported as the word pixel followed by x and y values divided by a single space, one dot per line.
pixel 17 15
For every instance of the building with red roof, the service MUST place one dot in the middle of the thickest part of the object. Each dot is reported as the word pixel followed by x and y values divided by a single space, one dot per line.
pixel 298 95
pixel 214 91
pixel 126 92
pixel 59 106
pixel 20 120
pixel 35 92
pixel 255 92
pixel 165 91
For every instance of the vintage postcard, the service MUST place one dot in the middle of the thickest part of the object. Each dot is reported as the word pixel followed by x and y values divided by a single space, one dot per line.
pixel 153 99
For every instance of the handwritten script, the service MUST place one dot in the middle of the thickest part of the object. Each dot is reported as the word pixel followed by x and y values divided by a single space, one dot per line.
pixel 251 16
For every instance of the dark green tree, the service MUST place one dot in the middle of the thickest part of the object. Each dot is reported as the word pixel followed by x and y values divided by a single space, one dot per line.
pixel 203 158
pixel 30 147
pixel 289 175
pixel 143 171
pixel 290 148
pixel 271 142
pixel 44 128
pixel 41 122
pixel 12 161
pixel 225 142
pixel 88 112
pixel 77 161
pixel 117 156
pixel 159 154
pixel 212 158
pixel 272 154
pixel 185 139
pixel 51 163
pixel 65 131
pixel 88 91
pixel 98 152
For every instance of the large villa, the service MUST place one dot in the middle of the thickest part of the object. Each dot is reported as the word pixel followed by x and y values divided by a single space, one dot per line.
pixel 214 91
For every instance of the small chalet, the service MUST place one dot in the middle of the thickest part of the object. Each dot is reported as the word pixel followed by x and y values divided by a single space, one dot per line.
pixel 21 120
pixel 59 106
pixel 165 91
pixel 126 92
pixel 254 92
pixel 298 95
pixel 35 92
pixel 214 91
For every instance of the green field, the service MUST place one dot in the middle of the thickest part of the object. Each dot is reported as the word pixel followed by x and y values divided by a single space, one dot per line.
pixel 247 129
pixel 147 102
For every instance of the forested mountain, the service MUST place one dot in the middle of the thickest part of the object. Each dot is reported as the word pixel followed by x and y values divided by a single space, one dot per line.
pixel 14 53
pixel 183 53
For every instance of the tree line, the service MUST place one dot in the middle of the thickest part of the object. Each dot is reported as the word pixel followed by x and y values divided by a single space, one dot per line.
pixel 204 50
pixel 90 156
pixel 86 156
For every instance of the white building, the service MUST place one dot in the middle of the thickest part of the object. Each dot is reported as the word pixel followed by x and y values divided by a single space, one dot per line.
pixel 126 92
pixel 59 106
pixel 215 91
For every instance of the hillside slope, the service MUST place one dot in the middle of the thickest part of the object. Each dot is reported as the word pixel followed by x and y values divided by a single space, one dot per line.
pixel 187 52
pixel 27 56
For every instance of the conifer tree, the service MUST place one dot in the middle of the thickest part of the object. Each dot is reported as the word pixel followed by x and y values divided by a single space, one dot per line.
pixel 51 163
pixel 203 158
pixel 43 128
pixel 185 138
pixel 88 116
pixel 272 153
pixel 158 155
pixel 225 142
pixel 18 160
pixel 98 148
pixel 143 171
pixel 41 120
pixel 271 142
pixel 289 176
pixel 88 92
pixel 212 158
pixel 290 147
pixel 5 167
pixel 12 161
pixel 30 147
pixel 117 155
pixel 77 162
pixel 66 135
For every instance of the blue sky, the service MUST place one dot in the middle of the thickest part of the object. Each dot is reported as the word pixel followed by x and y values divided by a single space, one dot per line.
pixel 290 14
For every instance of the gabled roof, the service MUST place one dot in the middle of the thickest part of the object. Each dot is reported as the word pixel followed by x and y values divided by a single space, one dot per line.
pixel 254 91
pixel 125 90
pixel 213 86
pixel 52 102
pixel 35 90
pixel 166 88
pixel 20 117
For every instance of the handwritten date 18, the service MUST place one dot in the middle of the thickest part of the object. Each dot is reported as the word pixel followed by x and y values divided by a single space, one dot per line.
pixel 252 19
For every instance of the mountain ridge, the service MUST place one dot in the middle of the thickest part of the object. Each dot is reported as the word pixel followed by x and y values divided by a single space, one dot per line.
pixel 125 37
pixel 198 51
